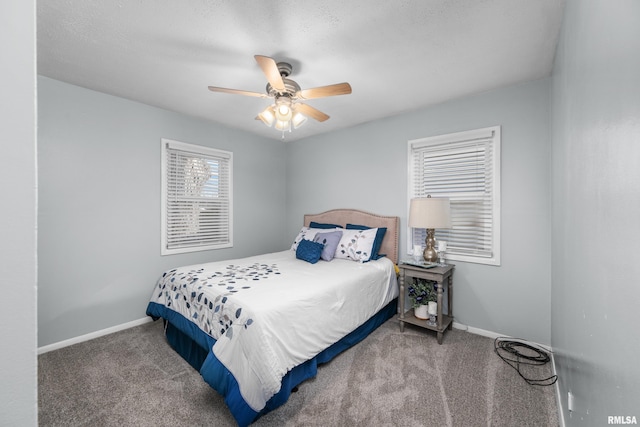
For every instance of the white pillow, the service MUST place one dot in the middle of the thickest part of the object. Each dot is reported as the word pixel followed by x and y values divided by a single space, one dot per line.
pixel 309 234
pixel 356 245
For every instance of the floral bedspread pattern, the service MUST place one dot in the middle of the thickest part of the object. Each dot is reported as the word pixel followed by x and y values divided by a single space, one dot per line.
pixel 184 291
pixel 265 311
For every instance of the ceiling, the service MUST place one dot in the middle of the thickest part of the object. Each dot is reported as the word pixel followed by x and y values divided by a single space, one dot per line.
pixel 397 55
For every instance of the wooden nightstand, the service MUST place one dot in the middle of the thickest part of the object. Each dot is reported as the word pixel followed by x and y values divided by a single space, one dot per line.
pixel 440 275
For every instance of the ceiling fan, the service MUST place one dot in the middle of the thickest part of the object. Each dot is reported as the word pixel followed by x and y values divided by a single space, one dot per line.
pixel 287 110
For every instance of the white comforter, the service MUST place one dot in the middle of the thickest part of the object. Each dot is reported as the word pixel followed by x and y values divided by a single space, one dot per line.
pixel 272 312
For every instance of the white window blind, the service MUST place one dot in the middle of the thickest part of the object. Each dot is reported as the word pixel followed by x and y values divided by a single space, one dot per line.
pixel 196 198
pixel 465 167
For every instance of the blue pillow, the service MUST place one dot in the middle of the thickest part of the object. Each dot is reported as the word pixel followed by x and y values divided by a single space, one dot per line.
pixel 322 225
pixel 309 251
pixel 330 241
pixel 377 243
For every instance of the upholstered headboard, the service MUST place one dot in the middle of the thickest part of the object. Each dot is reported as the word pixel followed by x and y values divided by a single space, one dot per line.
pixel 352 216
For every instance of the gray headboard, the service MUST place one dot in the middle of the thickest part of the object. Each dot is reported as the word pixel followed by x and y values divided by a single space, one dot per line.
pixel 352 216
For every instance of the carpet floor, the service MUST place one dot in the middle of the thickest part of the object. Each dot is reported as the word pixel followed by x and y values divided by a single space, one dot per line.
pixel 133 378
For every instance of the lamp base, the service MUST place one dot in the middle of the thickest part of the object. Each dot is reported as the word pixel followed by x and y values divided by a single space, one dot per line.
pixel 430 254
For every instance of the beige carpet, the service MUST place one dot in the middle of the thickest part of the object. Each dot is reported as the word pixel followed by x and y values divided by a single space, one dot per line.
pixel 133 378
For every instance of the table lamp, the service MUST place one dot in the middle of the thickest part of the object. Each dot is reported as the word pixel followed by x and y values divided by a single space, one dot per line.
pixel 430 213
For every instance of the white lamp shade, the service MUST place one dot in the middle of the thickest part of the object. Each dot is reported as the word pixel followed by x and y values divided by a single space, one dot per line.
pixel 267 116
pixel 430 212
pixel 298 120
pixel 283 113
pixel 283 125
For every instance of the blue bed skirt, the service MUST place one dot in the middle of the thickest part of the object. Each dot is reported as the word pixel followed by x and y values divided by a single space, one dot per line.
pixel 194 346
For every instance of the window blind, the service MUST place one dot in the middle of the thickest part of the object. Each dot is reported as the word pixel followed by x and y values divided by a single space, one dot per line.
pixel 465 168
pixel 197 189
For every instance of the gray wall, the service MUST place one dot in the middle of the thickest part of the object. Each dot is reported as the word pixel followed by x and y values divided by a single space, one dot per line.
pixel 365 167
pixel 18 395
pixel 596 207
pixel 99 208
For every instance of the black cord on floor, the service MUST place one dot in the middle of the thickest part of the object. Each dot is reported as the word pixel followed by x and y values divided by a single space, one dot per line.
pixel 517 352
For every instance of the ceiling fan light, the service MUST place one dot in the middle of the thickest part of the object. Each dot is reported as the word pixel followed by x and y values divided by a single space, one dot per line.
pixel 283 125
pixel 283 113
pixel 267 116
pixel 298 120
pixel 283 108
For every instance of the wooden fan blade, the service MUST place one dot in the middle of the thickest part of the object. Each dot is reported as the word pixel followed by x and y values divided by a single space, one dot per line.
pixel 270 69
pixel 311 112
pixel 237 92
pixel 323 91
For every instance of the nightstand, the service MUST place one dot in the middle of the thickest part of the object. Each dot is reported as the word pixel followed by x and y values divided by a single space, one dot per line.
pixel 441 275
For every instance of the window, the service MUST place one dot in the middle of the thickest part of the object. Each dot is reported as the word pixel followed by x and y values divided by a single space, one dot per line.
pixel 465 167
pixel 196 198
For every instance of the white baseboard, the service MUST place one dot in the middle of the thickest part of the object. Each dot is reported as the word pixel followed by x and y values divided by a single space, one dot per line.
pixel 477 331
pixel 92 335
pixel 558 397
pixel 494 335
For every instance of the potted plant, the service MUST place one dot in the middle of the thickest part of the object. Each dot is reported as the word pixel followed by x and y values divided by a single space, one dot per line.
pixel 421 292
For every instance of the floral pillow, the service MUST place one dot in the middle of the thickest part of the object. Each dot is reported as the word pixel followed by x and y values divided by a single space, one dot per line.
pixel 379 237
pixel 356 245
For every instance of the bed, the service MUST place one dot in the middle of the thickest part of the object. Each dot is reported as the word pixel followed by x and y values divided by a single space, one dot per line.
pixel 255 328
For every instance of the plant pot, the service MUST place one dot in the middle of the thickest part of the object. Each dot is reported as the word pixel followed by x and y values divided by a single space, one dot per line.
pixel 421 312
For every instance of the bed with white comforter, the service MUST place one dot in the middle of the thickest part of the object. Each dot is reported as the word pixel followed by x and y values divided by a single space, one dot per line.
pixel 260 318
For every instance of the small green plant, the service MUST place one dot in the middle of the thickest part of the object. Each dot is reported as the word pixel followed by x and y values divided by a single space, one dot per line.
pixel 422 291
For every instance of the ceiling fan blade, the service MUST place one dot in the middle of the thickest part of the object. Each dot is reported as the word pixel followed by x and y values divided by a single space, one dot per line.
pixel 270 69
pixel 311 112
pixel 237 92
pixel 323 91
